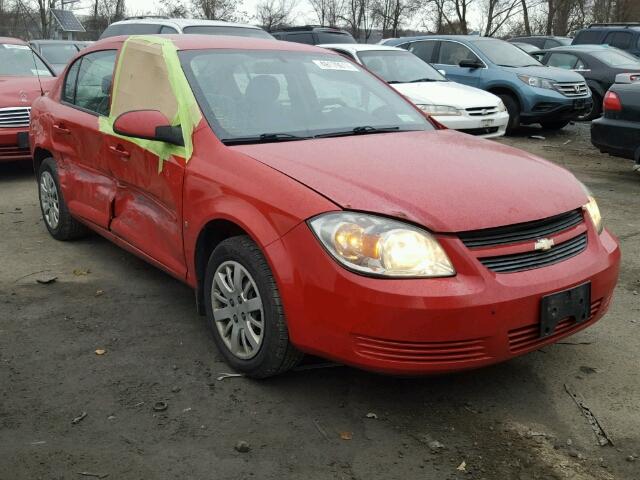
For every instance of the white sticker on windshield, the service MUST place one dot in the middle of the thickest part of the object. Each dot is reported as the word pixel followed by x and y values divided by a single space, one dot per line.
pixel 15 47
pixel 333 65
pixel 405 118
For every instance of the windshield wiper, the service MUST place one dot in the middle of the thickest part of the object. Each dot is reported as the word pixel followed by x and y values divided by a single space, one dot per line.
pixel 358 131
pixel 263 138
pixel 418 80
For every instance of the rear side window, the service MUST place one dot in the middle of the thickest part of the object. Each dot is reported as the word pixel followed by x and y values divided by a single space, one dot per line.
pixel 549 43
pixel 93 74
pixel 423 50
pixel 334 37
pixel 587 37
pixel 620 40
pixel 131 29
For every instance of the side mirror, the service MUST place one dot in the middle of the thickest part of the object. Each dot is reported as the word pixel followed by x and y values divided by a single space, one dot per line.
pixel 442 72
pixel 473 64
pixel 148 125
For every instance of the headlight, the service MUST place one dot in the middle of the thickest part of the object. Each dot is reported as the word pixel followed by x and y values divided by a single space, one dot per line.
pixel 380 246
pixel 501 107
pixel 536 81
pixel 439 110
pixel 591 207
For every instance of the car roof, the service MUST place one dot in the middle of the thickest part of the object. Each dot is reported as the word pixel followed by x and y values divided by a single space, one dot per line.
pixel 58 42
pixel 182 22
pixel 460 38
pixel 200 42
pixel 583 48
pixel 12 41
pixel 360 47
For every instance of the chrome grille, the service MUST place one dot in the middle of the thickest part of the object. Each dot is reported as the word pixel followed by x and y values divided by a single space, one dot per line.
pixel 481 111
pixel 14 117
pixel 573 89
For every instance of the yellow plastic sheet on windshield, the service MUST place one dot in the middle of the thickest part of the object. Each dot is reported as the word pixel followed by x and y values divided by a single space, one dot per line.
pixel 148 76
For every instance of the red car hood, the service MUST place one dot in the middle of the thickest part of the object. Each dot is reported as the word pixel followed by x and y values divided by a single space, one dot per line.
pixel 444 180
pixel 21 91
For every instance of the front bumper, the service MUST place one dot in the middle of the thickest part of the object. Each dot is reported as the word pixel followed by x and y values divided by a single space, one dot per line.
pixel 421 326
pixel 553 106
pixel 14 144
pixel 617 137
pixel 488 126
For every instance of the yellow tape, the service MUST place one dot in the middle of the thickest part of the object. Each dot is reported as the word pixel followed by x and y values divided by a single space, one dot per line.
pixel 188 113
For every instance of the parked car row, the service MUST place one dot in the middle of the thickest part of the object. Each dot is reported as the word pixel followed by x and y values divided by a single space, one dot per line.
pixel 314 209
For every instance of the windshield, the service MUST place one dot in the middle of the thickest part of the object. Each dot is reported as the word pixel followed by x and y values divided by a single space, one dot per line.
pixel 21 61
pixel 246 94
pixel 505 54
pixel 617 59
pixel 226 30
pixel 58 53
pixel 399 66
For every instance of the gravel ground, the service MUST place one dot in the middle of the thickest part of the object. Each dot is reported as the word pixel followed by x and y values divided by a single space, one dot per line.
pixel 510 421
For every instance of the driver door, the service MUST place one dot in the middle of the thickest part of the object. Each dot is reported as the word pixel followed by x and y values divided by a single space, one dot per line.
pixel 450 55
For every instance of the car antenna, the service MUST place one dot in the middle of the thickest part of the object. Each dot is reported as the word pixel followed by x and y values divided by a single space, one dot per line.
pixel 35 64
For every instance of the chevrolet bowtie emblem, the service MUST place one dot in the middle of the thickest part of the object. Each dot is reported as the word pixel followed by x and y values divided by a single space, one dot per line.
pixel 543 244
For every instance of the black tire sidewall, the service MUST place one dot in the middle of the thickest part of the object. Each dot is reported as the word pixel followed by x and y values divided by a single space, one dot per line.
pixel 513 108
pixel 268 355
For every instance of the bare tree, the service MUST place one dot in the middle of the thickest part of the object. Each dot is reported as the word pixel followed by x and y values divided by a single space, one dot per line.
pixel 274 14
pixel 498 13
pixel 328 12
pixel 217 9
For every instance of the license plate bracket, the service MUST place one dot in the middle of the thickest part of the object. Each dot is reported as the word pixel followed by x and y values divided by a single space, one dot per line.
pixel 23 139
pixel 572 303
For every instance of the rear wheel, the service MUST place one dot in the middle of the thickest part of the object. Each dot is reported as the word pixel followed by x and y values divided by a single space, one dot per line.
pixel 513 107
pixel 59 222
pixel 244 310
pixel 554 125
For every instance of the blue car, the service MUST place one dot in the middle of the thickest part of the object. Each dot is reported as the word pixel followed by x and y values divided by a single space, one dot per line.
pixel 532 92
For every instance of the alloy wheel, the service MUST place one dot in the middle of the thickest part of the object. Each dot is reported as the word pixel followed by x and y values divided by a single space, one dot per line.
pixel 237 310
pixel 49 200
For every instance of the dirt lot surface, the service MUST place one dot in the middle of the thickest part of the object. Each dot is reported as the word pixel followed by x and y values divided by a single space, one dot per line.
pixel 510 421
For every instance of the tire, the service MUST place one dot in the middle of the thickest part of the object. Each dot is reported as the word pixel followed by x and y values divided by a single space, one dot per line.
pixel 513 107
pixel 596 109
pixel 244 308
pixel 555 125
pixel 59 222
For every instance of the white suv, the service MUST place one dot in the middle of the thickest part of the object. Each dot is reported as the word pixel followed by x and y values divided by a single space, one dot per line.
pixel 164 25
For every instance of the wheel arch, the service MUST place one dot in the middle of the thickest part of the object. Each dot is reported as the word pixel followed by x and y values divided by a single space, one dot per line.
pixel 39 154
pixel 503 90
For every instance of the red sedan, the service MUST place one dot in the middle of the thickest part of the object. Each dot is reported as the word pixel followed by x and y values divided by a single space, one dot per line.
pixel 313 209
pixel 22 75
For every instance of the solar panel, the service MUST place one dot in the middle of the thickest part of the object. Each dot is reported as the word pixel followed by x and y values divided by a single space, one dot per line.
pixel 67 20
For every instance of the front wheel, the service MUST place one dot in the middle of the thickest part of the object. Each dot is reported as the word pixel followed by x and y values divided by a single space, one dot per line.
pixel 555 125
pixel 244 310
pixel 513 108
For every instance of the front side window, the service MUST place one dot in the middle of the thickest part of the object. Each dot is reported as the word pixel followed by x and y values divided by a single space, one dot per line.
pixel 21 61
pixel 399 67
pixel 562 60
pixel 93 85
pixel 245 94
pixel 505 54
pixel 423 50
pixel 58 53
pixel 69 88
pixel 226 30
pixel 452 53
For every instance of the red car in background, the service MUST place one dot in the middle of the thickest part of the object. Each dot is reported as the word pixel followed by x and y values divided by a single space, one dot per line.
pixel 313 209
pixel 22 76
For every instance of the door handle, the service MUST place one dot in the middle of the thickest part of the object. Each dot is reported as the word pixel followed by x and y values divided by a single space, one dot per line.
pixel 121 152
pixel 60 128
